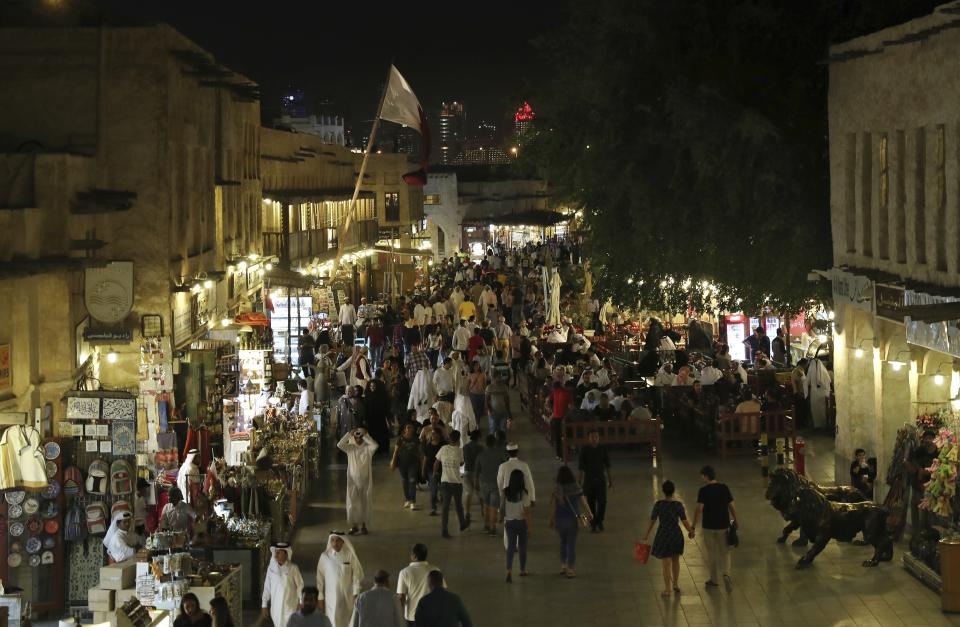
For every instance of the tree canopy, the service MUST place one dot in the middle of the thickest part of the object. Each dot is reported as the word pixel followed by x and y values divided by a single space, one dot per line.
pixel 693 134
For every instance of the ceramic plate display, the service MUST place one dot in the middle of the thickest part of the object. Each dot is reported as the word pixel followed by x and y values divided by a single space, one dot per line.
pixel 34 560
pixel 46 557
pixel 52 489
pixel 34 525
pixel 31 505
pixel 15 547
pixel 51 450
pixel 51 468
pixel 16 529
pixel 50 509
pixel 33 545
pixel 14 511
pixel 15 498
pixel 49 542
pixel 51 526
pixel 14 560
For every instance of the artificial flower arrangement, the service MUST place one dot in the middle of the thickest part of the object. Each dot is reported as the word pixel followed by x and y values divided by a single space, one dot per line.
pixel 940 491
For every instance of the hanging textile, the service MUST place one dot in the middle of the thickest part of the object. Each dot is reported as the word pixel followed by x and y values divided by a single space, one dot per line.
pixel 21 461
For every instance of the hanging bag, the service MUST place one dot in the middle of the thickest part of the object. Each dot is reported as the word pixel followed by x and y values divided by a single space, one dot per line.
pixel 96 518
pixel 641 552
pixel 121 478
pixel 582 519
pixel 74 525
pixel 98 477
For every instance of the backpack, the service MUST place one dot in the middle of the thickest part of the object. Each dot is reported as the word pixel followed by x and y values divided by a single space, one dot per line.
pixel 97 477
pixel 96 518
pixel 121 477
pixel 72 482
pixel 74 526
pixel 120 506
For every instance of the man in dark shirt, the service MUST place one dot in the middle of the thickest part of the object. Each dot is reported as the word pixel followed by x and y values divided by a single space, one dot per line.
pixel 604 410
pixel 715 505
pixel 595 478
pixel 471 451
pixel 441 608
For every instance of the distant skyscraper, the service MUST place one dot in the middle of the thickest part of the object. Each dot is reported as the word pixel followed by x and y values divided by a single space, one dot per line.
pixel 522 121
pixel 453 127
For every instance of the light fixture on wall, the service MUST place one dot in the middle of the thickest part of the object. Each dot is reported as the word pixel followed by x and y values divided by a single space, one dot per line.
pixel 938 378
pixel 896 364
pixel 112 356
pixel 858 351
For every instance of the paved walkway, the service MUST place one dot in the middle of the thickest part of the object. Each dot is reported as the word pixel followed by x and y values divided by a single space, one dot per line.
pixel 611 587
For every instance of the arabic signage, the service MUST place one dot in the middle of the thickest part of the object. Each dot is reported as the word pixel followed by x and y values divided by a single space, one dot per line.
pixel 939 336
pixel 851 289
pixel 107 335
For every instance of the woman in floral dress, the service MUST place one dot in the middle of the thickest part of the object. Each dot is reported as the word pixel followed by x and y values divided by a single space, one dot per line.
pixel 668 543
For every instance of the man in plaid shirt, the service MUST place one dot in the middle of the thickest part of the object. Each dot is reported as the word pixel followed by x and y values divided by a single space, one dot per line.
pixel 416 360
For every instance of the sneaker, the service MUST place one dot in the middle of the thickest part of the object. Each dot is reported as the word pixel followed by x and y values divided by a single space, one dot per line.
pixel 509 578
pixel 414 508
pixel 406 505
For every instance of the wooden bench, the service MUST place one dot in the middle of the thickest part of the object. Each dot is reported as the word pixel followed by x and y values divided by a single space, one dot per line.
pixel 746 429
pixel 576 433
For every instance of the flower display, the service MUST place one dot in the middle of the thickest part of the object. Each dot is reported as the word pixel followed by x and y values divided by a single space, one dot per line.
pixel 941 490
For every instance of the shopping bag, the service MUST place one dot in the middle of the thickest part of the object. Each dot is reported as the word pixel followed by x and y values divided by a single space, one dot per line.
pixel 733 540
pixel 641 552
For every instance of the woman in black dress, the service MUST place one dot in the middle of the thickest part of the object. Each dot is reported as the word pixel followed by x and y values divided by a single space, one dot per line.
pixel 379 414
pixel 668 543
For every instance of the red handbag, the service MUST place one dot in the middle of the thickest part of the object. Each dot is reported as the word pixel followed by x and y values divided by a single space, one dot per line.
pixel 641 552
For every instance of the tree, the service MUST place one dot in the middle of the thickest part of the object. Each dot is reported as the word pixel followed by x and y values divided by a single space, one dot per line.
pixel 694 136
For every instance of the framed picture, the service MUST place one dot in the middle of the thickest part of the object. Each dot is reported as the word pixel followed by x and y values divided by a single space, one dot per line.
pixel 124 440
pixel 80 408
pixel 119 409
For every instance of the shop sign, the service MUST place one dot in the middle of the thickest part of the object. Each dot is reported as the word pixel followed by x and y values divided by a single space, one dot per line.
pixel 107 335
pixel 6 371
pixel 889 300
pixel 941 336
pixel 108 291
pixel 851 289
pixel 182 317
pixel 798 325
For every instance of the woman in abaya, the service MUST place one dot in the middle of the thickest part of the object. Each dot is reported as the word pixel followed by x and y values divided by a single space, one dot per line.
pixel 379 414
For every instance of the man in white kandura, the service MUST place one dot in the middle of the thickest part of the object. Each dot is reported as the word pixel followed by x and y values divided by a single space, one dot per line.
pixel 339 574
pixel 120 541
pixel 360 448
pixel 281 587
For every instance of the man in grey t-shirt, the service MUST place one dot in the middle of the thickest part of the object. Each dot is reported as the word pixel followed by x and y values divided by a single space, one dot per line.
pixel 487 464
pixel 307 615
pixel 498 405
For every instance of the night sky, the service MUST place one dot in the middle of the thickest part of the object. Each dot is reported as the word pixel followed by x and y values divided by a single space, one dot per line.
pixel 339 51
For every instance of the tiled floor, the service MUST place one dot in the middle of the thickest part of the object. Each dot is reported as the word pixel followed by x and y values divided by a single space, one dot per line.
pixel 614 590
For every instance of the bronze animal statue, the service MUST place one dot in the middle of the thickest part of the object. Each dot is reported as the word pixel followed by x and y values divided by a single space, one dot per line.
pixel 790 513
pixel 800 500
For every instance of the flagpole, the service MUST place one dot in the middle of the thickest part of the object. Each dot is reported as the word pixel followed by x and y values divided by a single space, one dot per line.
pixel 363 168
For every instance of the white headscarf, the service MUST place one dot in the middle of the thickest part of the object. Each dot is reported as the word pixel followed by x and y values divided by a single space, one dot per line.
pixel 189 467
pixel 346 554
pixel 115 533
pixel 274 566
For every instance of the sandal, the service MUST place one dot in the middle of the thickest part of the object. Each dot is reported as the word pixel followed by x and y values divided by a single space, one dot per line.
pixel 563 569
pixel 571 574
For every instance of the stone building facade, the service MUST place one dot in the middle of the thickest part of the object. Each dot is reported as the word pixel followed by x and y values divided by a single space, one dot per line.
pixel 125 144
pixel 895 216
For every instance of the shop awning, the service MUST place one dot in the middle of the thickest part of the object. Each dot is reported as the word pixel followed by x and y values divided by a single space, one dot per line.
pixel 415 252
pixel 533 218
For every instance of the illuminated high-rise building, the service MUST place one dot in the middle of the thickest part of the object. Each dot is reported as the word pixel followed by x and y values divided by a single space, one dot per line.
pixel 453 130
pixel 523 121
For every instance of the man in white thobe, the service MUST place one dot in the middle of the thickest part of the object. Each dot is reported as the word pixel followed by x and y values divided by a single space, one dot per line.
pixel 818 390
pixel 281 586
pixel 339 574
pixel 360 448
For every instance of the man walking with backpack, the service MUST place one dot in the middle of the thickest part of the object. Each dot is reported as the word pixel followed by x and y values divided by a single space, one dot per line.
pixel 715 505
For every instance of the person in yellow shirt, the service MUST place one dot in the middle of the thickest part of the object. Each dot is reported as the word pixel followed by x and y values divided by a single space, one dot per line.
pixel 467 309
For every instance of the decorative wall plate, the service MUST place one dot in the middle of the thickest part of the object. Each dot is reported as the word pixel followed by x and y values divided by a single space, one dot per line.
pixel 14 511
pixel 34 560
pixel 34 525
pixel 52 489
pixel 31 505
pixel 14 560
pixel 34 545
pixel 51 468
pixel 49 542
pixel 46 557
pixel 16 529
pixel 15 498
pixel 51 450
pixel 52 526
pixel 50 509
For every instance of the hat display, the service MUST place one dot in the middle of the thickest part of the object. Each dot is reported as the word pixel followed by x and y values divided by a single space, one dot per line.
pixel 513 447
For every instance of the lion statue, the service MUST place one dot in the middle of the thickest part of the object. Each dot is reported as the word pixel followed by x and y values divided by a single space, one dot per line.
pixel 787 506
pixel 820 519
